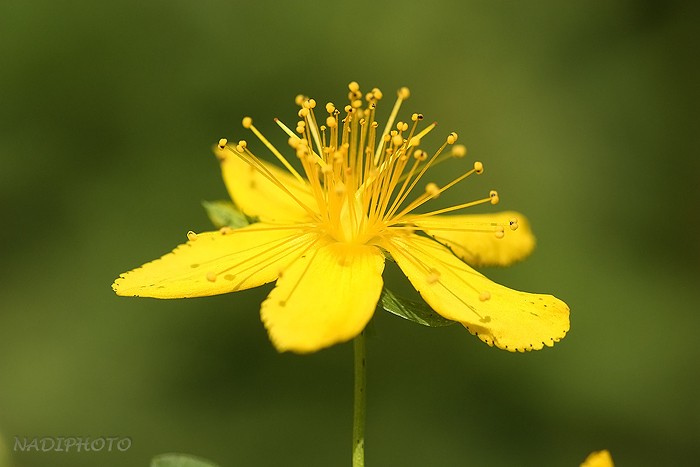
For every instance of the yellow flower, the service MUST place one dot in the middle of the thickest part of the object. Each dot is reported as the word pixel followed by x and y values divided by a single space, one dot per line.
pixel 598 459
pixel 324 236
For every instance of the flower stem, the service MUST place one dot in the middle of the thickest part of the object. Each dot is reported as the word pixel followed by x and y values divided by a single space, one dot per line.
pixel 358 425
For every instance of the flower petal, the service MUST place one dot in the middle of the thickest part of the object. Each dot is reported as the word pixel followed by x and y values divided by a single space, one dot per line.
pixel 257 196
pixel 598 459
pixel 482 248
pixel 500 316
pixel 325 297
pixel 213 263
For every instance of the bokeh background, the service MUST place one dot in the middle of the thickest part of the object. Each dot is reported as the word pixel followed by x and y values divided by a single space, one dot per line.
pixel 584 114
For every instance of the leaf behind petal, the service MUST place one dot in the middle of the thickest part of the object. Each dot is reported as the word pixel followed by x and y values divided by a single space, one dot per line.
pixel 412 310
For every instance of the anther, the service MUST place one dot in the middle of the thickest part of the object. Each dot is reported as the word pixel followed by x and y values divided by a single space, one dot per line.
pixel 222 143
pixel 493 194
pixel 499 231
pixel 377 94
pixel 348 109
pixel 247 122
pixel 513 223
pixel 459 150
pixel 330 121
pixel 485 295
pixel 225 230
pixel 478 167
pixel 299 99
pixel 432 189
pixel 311 103
pixel 452 138
pixel 397 140
pixel 242 144
pixel 353 86
pixel 420 155
pixel 211 276
pixel 330 108
pixel 404 93
pixel 303 112
pixel 191 236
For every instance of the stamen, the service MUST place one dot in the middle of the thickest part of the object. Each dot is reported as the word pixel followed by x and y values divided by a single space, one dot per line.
pixel 493 194
pixel 222 143
pixel 485 295
pixel 248 123
pixel 191 236
pixel 513 223
pixel 211 276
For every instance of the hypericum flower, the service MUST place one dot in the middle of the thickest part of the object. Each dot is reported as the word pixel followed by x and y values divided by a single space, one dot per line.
pixel 598 459
pixel 324 235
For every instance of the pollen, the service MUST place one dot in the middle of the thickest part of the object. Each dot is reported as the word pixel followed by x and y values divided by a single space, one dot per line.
pixel 191 236
pixel 499 231
pixel 433 276
pixel 485 295
pixel 211 276
pixel 513 223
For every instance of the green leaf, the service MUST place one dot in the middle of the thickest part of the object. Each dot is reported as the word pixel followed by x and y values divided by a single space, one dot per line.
pixel 412 310
pixel 224 213
pixel 180 460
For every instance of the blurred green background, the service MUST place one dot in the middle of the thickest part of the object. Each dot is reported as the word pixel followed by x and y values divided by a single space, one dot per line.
pixel 585 115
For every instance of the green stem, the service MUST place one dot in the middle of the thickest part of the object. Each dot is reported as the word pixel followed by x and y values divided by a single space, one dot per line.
pixel 358 419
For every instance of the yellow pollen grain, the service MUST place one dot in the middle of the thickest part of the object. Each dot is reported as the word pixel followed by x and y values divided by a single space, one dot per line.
pixel 211 276
pixel 485 295
pixel 191 236
pixel 433 276
pixel 225 230
pixel 499 231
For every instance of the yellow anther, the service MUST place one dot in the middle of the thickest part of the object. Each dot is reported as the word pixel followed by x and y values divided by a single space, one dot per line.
pixel 459 150
pixel 513 223
pixel 348 109
pixel 452 138
pixel 222 143
pixel 311 103
pixel 432 189
pixel 404 93
pixel 330 121
pixel 493 194
pixel 330 108
pixel 211 276
pixel 293 142
pixel 225 230
pixel 397 140
pixel 303 112
pixel 375 124
pixel 377 94
pixel 414 117
pixel 300 130
pixel 485 295
pixel 301 123
pixel 191 236
pixel 299 100
pixel 339 189
pixel 242 144
pixel 353 86
pixel 247 122
pixel 356 104
pixel 478 167
pixel 499 231
pixel 433 276
pixel 420 155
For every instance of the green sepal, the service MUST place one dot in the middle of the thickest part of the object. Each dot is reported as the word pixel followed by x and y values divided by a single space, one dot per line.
pixel 412 310
pixel 180 460
pixel 224 213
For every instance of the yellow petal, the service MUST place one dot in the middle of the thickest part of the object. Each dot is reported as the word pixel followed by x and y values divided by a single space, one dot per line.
pixel 213 263
pixel 480 248
pixel 324 298
pixel 500 316
pixel 598 459
pixel 257 196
